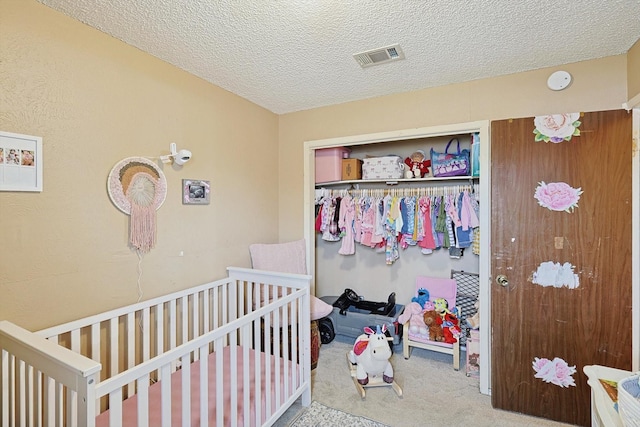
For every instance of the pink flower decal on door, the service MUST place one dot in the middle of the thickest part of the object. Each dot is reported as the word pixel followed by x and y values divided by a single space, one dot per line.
pixel 555 371
pixel 557 196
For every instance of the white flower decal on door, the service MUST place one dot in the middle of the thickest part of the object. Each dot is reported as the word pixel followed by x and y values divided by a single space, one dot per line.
pixel 557 127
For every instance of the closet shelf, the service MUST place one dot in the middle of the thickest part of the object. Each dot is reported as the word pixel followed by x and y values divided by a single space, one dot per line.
pixel 398 181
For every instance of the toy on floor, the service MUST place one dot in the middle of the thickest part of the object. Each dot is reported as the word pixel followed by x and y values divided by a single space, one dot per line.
pixel 369 361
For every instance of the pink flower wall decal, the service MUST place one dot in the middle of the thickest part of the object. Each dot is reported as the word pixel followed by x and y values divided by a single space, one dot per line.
pixel 555 371
pixel 557 196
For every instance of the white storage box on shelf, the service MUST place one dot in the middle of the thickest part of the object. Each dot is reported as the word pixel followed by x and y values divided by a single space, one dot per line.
pixel 386 167
pixel 329 163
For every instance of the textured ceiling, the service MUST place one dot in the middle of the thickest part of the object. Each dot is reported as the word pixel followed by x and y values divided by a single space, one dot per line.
pixel 292 55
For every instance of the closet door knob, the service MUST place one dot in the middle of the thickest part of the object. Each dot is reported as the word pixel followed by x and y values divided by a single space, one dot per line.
pixel 502 280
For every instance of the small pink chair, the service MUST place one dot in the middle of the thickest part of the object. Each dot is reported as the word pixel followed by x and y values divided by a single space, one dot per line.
pixel 438 288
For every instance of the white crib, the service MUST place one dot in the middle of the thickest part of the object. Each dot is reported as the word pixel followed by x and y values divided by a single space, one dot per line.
pixel 142 365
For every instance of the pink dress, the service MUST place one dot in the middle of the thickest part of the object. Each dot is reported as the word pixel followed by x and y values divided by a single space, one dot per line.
pixel 346 221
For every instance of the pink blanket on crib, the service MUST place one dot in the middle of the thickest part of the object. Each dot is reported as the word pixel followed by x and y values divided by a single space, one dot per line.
pixel 130 405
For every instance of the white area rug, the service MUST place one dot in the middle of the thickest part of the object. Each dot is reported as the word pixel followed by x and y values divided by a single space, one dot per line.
pixel 318 415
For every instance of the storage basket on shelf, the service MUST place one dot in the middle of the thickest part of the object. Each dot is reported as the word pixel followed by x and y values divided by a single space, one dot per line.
pixel 629 401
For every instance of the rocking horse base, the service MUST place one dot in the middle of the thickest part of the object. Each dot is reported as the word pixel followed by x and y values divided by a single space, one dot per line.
pixel 376 381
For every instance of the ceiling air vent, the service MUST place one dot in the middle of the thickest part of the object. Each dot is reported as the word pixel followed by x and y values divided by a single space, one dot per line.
pixel 379 56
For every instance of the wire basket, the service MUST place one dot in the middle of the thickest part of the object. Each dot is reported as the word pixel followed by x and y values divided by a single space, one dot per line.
pixel 468 287
pixel 629 401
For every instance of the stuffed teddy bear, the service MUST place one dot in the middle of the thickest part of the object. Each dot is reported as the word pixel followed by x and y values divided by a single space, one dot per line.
pixel 422 297
pixel 418 164
pixel 433 320
pixel 413 314
pixel 474 321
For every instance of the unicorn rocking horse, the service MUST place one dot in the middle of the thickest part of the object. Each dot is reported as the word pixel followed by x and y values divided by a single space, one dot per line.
pixel 369 361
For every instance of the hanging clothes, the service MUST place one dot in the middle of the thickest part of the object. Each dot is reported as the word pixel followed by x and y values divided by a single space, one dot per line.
pixel 346 222
pixel 388 223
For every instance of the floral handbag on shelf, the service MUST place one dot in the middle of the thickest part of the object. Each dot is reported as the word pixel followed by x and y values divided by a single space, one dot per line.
pixel 451 164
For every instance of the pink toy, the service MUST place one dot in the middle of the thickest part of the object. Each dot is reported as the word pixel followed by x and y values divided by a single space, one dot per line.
pixel 414 314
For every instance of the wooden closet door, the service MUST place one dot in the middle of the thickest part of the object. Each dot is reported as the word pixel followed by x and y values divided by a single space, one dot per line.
pixel 589 324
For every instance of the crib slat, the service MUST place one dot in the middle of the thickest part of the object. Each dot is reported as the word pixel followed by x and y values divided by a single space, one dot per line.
pixel 186 391
pixel 281 334
pixel 204 387
pixel 173 325
pixel 143 400
pixel 268 339
pixel 131 344
pixel 95 342
pixel 115 408
pixel 12 390
pixel 258 373
pixel 19 393
pixel 246 401
pixel 40 407
pixel 49 396
pixel 146 336
pixel 75 340
pixel 159 329
pixel 220 375
pixel 165 394
pixel 30 396
pixel 71 407
pixel 205 311
pixel 4 386
pixel 113 346
pixel 59 401
pixel 196 320
pixel 184 307
pixel 216 305
pixel 233 376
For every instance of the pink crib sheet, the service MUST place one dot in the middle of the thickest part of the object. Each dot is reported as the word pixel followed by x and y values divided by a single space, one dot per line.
pixel 130 405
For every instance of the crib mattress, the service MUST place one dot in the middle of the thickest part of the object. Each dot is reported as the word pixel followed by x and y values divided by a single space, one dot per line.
pixel 130 405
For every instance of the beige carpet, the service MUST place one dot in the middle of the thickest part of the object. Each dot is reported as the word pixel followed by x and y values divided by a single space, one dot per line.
pixel 433 393
pixel 319 415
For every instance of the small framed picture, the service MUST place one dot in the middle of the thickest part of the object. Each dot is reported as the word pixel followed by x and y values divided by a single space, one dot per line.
pixel 195 192
pixel 20 162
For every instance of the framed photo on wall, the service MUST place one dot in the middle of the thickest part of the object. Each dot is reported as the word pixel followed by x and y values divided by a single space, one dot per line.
pixel 195 192
pixel 20 162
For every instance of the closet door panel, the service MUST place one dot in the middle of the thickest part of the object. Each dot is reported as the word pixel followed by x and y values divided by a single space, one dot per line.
pixel 588 322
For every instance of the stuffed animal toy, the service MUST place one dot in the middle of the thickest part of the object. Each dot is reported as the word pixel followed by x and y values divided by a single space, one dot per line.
pixel 422 297
pixel 413 314
pixel 441 306
pixel 474 321
pixel 433 320
pixel 371 353
pixel 450 328
pixel 418 164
